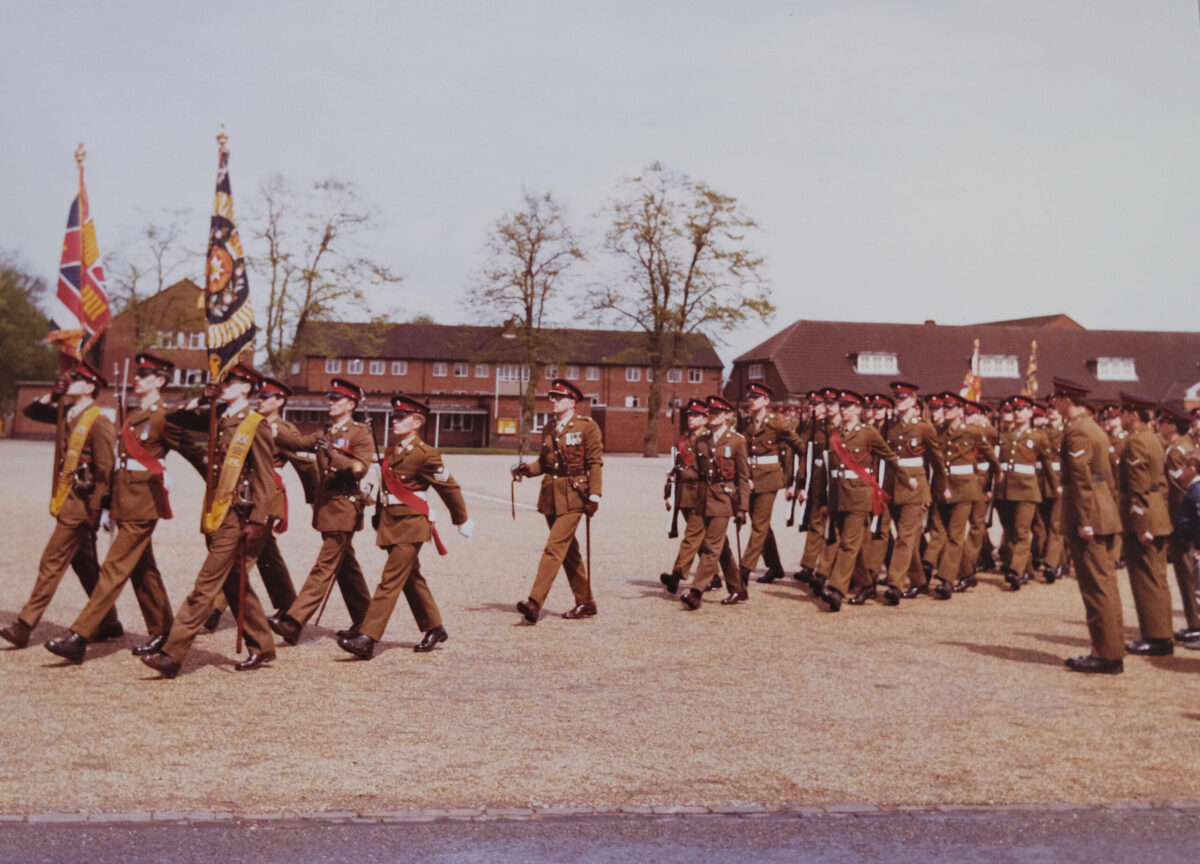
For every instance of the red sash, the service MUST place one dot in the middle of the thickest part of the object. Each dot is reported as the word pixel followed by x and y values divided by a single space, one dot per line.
pixel 879 498
pixel 142 456
pixel 408 495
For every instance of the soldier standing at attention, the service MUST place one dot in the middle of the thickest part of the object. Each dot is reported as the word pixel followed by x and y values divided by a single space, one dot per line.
pixel 81 491
pixel 725 492
pixel 235 527
pixel 409 468
pixel 687 488
pixel 1147 525
pixel 1173 425
pixel 1018 491
pixel 344 451
pixel 571 463
pixel 1090 520
pixel 765 433
pixel 914 441
pixel 139 499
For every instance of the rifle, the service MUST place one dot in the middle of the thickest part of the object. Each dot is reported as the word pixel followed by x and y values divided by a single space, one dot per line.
pixel 377 515
pixel 673 491
pixel 805 509
pixel 791 520
pixel 828 498
pixel 243 577
pixel 877 519
pixel 990 486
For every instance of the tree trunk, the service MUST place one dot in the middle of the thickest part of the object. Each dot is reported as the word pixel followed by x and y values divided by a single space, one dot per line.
pixel 528 397
pixel 653 406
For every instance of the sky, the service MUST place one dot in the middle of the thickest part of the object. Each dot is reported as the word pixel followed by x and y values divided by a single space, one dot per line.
pixel 905 160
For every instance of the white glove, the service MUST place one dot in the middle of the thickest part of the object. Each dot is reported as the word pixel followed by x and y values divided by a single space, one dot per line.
pixel 467 528
pixel 106 523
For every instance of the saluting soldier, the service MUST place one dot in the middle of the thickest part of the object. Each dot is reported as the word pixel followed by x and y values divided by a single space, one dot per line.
pixel 571 463
pixel 1018 492
pixel 235 527
pixel 1090 520
pixel 915 443
pixel 854 452
pixel 409 468
pixel 1147 525
pixel 139 499
pixel 766 433
pixel 687 488
pixel 724 493
pixel 1173 427
pixel 82 482
pixel 344 451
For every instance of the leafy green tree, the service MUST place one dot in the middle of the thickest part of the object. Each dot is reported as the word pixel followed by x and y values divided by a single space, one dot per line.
pixel 24 353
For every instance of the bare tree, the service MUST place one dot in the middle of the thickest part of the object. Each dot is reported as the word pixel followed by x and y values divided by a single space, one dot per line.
pixel 314 267
pixel 529 253
pixel 688 270
pixel 147 266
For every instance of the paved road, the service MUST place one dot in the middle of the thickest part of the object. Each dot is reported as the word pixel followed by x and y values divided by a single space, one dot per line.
pixel 1092 836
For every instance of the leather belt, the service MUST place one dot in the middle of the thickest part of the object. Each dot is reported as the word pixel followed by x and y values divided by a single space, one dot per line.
pixel 962 469
pixel 1099 478
pixel 911 461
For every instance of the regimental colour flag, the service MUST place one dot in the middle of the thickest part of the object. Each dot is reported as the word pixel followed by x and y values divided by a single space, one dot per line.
pixel 80 310
pixel 1031 383
pixel 227 291
pixel 972 387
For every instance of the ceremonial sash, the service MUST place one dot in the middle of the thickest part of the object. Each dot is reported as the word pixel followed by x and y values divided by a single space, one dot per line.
pixel 135 450
pixel 879 498
pixel 66 475
pixel 231 470
pixel 408 495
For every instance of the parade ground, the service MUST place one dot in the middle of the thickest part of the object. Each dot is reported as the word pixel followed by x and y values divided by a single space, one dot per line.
pixel 775 703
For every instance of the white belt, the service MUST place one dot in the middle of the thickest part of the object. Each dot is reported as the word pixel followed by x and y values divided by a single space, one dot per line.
pixel 1022 469
pixel 962 469
pixel 818 462
pixel 911 461
pixel 981 466
pixel 1057 466
pixel 848 473
pixel 765 460
pixel 389 499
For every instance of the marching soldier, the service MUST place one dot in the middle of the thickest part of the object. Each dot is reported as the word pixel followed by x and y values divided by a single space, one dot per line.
pixel 1022 449
pixel 235 527
pixel 1090 520
pixel 140 497
pixel 82 484
pixel 766 433
pixel 344 450
pixel 936 541
pixel 409 468
pixel 1173 426
pixel 687 492
pixel 571 463
pixel 961 444
pixel 1050 549
pixel 985 471
pixel 724 493
pixel 814 538
pixel 914 440
pixel 1147 525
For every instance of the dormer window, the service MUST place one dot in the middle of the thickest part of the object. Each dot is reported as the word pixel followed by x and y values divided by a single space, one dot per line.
pixel 876 363
pixel 1116 369
pixel 999 366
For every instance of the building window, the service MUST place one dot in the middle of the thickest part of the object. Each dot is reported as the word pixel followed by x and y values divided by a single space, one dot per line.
pixel 439 369
pixel 512 372
pixel 572 373
pixel 695 376
pixel 461 370
pixel 295 367
pixel 458 422
pixel 195 340
pixel 481 370
pixel 540 420
pixel 876 363
pixel 593 398
pixel 377 367
pixel 354 366
pixel 649 373
pixel 633 402
pixel 399 367
pixel 193 376
pixel 674 376
pixel 1116 369
pixel 551 372
pixel 593 373
pixel 633 373
pixel 333 365
pixel 754 371
pixel 999 366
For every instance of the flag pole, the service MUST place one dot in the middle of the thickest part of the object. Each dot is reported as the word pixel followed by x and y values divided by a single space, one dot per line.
pixel 222 139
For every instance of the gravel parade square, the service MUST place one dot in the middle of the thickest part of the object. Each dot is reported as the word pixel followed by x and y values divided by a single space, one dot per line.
pixel 775 702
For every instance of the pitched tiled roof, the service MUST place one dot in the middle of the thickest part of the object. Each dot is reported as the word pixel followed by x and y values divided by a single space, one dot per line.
pixel 811 354
pixel 486 344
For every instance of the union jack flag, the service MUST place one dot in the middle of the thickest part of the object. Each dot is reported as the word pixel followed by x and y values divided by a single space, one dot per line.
pixel 80 310
pixel 227 290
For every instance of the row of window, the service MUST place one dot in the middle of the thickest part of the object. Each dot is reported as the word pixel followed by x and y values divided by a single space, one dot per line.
pixel 173 339
pixel 990 366
pixel 504 371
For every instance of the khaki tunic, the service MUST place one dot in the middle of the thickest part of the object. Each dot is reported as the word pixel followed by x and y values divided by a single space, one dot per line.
pixel 1143 505
pixel 725 490
pixel 915 444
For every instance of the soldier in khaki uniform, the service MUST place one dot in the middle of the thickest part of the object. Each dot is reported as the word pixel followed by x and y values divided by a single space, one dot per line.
pixel 854 453
pixel 1047 541
pixel 1090 520
pixel 409 468
pixel 766 433
pixel 724 493
pixel 139 499
pixel 1109 419
pixel 571 463
pixel 686 485
pixel 818 506
pixel 936 543
pixel 344 451
pixel 872 567
pixel 957 496
pixel 914 441
pixel 82 480
pixel 973 559
pixel 1018 492
pixel 1173 426
pixel 235 528
pixel 1147 525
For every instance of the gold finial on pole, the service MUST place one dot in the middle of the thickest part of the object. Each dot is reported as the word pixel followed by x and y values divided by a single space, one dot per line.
pixel 222 137
pixel 80 154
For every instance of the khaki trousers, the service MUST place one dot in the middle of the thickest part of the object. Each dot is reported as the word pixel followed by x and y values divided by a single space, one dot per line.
pixel 904 569
pixel 1017 519
pixel 1185 578
pixel 976 529
pixel 762 506
pixel 1048 545
pixel 129 559
pixel 937 535
pixel 1101 598
pixel 955 518
pixel 276 578
pixel 401 574
pixel 1147 566
pixel 73 542
pixel 335 560
pixel 852 534
pixel 714 552
pixel 562 550
pixel 221 574
pixel 814 541
pixel 689 546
